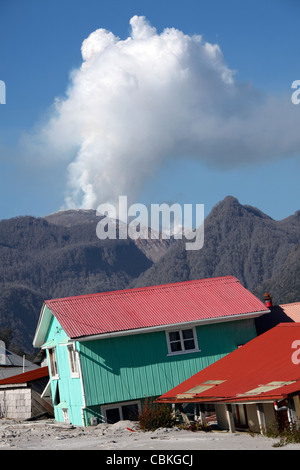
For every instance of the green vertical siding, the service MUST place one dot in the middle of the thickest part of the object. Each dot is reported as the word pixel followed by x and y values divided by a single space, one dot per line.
pixel 131 367
pixel 70 389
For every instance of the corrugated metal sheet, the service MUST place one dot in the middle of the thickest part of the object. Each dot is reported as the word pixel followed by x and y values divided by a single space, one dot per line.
pixel 146 307
pixel 6 372
pixel 11 359
pixel 278 314
pixel 292 310
pixel 130 367
pixel 26 376
pixel 11 364
pixel 263 369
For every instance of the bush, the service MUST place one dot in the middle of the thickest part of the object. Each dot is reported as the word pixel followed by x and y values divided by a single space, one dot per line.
pixel 155 415
pixel 287 435
pixel 195 427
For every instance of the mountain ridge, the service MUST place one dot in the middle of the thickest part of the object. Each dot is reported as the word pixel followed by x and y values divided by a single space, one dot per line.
pixel 238 240
pixel 59 255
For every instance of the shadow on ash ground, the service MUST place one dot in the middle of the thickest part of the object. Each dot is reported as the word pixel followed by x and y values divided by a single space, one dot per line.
pixel 124 435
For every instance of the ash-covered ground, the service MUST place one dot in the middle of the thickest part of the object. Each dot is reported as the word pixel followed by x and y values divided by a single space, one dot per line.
pixel 124 435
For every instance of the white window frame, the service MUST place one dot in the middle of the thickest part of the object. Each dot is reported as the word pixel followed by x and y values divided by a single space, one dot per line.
pixel 65 414
pixel 73 360
pixel 53 363
pixel 183 350
pixel 118 405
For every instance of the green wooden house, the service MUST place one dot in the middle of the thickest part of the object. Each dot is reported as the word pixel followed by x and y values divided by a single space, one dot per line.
pixel 107 352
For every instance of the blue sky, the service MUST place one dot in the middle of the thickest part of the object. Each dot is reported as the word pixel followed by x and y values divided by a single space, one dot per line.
pixel 40 44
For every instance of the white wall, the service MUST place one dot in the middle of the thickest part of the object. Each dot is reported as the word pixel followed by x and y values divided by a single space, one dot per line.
pixel 15 403
pixel 221 416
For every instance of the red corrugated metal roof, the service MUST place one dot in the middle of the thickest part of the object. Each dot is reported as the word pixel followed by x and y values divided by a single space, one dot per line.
pixel 145 307
pixel 26 376
pixel 269 358
pixel 292 310
pixel 278 314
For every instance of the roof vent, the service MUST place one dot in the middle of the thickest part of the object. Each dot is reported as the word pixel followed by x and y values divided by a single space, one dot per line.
pixel 268 300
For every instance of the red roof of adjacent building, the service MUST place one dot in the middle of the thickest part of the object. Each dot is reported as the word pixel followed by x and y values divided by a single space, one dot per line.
pixel 282 313
pixel 26 376
pixel 266 368
pixel 292 310
pixel 191 301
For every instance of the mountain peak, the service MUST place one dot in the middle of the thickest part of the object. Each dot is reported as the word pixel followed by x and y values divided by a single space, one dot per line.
pixel 230 207
pixel 70 217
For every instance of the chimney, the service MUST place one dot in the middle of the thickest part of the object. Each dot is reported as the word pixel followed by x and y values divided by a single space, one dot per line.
pixel 268 300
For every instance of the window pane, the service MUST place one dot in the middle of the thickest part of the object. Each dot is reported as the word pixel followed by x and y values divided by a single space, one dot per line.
pixel 189 344
pixel 72 359
pixel 73 362
pixel 187 334
pixel 53 362
pixel 130 412
pixel 174 336
pixel 176 346
pixel 113 415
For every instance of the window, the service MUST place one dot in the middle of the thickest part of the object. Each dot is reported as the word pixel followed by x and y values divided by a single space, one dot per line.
pixel 65 415
pixel 53 363
pixel 182 341
pixel 113 415
pixel 73 360
pixel 120 411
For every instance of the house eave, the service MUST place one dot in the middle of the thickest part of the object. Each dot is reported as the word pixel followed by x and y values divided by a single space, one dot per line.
pixel 224 400
pixel 153 329
pixel 42 327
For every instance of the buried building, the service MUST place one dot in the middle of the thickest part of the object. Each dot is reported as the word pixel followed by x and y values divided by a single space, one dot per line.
pixel 252 387
pixel 21 396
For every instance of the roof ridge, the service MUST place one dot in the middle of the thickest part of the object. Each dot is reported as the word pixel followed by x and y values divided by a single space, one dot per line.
pixel 138 289
pixel 199 300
